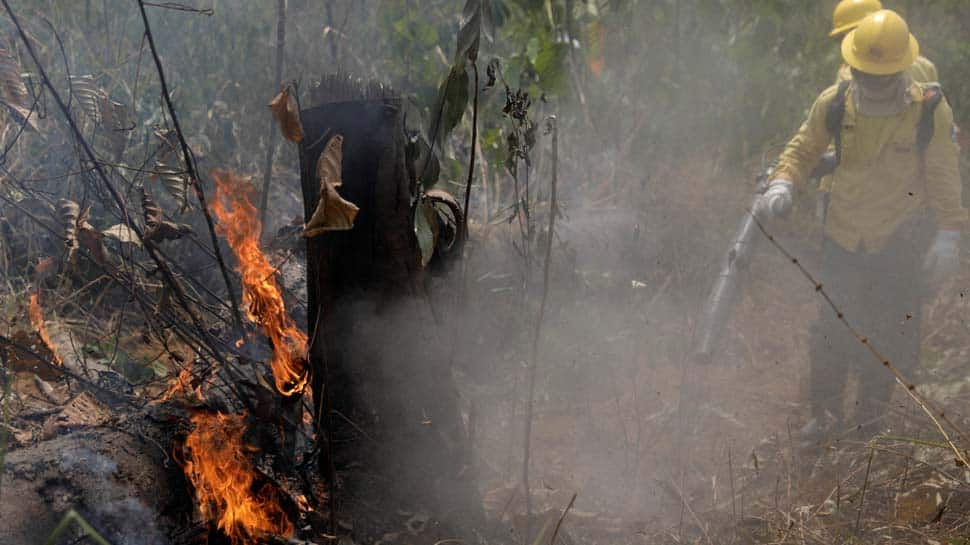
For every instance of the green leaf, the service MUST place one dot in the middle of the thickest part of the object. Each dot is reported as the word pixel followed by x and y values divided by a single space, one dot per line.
pixel 451 104
pixel 469 38
pixel 135 371
pixel 425 226
pixel 550 65
pixel 427 168
pixel 426 34
pixel 160 369
pixel 532 49
pixel 86 528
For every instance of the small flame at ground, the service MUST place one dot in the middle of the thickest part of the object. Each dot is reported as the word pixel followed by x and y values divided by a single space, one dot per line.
pixel 217 466
pixel 37 322
pixel 239 223
pixel 182 383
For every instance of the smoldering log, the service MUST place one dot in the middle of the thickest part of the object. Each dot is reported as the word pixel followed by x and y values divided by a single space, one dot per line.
pixel 125 485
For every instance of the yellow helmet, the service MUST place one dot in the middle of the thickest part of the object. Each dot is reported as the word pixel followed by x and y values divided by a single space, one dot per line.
pixel 880 45
pixel 849 13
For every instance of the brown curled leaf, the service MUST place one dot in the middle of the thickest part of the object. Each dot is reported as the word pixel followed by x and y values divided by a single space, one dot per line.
pixel 332 213
pixel 169 169
pixel 287 114
pixel 90 96
pixel 12 88
pixel 92 240
pixel 157 228
pixel 150 211
pixel 69 212
pixel 88 237
pixel 168 230
pixel 44 269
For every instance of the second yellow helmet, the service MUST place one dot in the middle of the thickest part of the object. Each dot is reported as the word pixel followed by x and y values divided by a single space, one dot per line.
pixel 849 13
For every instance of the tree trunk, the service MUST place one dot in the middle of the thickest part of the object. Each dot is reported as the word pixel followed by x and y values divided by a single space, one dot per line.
pixel 375 356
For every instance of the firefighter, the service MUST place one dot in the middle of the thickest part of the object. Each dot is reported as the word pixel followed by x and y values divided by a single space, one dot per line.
pixel 894 221
pixel 845 18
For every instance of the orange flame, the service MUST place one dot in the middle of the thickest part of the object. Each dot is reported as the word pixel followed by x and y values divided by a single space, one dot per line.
pixel 182 383
pixel 239 223
pixel 222 475
pixel 37 322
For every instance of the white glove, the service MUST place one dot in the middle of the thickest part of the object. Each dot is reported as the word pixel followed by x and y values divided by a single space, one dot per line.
pixel 942 260
pixel 776 201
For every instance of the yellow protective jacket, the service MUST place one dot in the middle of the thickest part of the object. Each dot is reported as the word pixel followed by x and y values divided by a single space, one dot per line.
pixel 877 185
pixel 922 71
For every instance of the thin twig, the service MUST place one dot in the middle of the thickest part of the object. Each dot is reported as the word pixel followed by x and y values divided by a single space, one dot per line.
pixel 690 510
pixel 471 160
pixel 208 12
pixel 936 415
pixel 193 175
pixel 86 148
pixel 734 508
pixel 865 486
pixel 555 532
pixel 271 147
pixel 534 360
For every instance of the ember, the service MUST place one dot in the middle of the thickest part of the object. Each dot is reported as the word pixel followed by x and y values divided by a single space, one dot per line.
pixel 216 464
pixel 182 384
pixel 37 322
pixel 239 223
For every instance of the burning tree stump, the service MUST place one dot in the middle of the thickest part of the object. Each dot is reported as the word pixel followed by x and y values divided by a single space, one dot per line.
pixel 393 406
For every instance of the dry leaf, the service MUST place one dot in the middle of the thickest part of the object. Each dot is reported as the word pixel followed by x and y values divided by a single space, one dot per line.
pixel 330 163
pixel 78 232
pixel 169 169
pixel 168 230
pixel 69 212
pixel 82 220
pixel 13 92
pixel 122 233
pixel 45 268
pixel 83 411
pixel 20 114
pixel 40 327
pixel 117 126
pixel 150 210
pixel 17 357
pixel 90 238
pixel 90 96
pixel 12 87
pixel 333 213
pixel 157 228
pixel 287 114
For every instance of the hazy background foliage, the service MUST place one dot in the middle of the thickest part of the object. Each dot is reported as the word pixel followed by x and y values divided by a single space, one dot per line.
pixel 644 85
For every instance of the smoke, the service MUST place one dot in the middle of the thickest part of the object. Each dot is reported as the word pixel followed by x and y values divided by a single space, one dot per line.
pixel 122 518
pixel 663 112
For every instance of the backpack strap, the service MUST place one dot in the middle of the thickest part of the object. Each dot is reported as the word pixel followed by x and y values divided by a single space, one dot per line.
pixel 932 96
pixel 834 116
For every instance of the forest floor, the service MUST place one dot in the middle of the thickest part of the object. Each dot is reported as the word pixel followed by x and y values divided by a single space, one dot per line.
pixel 725 463
pixel 648 460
